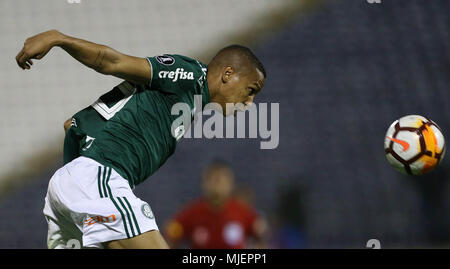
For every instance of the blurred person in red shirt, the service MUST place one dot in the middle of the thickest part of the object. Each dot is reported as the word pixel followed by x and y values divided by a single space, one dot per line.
pixel 217 220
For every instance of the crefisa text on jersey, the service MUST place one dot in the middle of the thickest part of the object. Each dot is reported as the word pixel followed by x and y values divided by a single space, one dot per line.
pixel 178 74
pixel 235 258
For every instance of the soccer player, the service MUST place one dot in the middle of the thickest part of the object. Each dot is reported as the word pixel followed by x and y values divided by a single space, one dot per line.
pixel 126 135
pixel 217 219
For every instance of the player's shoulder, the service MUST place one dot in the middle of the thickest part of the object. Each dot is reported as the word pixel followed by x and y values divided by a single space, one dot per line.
pixel 175 68
pixel 176 60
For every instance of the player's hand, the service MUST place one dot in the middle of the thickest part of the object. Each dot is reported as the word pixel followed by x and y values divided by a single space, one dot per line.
pixel 36 47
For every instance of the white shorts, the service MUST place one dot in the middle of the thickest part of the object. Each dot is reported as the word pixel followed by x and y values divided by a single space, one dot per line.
pixel 88 204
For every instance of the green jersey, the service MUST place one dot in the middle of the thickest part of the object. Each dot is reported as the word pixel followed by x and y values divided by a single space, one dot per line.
pixel 130 127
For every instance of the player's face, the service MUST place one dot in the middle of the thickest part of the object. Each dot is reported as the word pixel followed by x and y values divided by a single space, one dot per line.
pixel 240 88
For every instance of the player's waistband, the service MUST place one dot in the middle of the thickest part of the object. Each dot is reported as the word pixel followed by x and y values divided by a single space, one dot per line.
pixel 89 163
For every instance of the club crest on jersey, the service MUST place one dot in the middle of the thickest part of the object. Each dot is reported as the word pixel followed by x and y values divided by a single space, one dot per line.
pixel 165 60
pixel 179 73
pixel 147 211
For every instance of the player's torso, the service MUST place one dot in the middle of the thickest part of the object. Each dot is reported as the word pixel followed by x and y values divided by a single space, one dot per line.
pixel 133 129
pixel 137 139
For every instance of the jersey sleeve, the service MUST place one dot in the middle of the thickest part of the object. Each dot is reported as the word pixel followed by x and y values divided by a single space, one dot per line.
pixel 176 74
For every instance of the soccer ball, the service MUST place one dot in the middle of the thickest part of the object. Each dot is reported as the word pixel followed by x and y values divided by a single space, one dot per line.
pixel 414 145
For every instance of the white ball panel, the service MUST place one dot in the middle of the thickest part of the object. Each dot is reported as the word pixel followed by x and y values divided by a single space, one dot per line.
pixel 389 133
pixel 414 121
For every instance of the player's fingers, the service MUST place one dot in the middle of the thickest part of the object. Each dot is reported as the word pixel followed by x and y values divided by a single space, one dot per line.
pixel 30 62
pixel 19 55
pixel 23 59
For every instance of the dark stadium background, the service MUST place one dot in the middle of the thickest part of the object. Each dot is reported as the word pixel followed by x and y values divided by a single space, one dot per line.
pixel 341 72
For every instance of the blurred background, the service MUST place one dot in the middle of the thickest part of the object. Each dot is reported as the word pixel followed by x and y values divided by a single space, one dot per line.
pixel 342 72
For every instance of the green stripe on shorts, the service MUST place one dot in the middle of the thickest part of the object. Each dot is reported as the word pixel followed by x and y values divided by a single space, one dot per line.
pixel 134 217
pixel 123 216
pixel 107 182
pixel 128 216
pixel 103 181
pixel 98 180
pixel 124 208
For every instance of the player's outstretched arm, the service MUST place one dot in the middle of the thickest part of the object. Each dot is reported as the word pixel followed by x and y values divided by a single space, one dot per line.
pixel 102 59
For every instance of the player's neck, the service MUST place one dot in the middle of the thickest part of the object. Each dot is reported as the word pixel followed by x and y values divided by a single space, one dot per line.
pixel 212 85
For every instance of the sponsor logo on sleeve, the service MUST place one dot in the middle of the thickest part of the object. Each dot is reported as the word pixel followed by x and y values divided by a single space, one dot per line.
pixel 165 60
pixel 179 73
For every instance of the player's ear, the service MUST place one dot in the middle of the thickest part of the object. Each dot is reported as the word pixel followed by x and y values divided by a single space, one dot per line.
pixel 227 74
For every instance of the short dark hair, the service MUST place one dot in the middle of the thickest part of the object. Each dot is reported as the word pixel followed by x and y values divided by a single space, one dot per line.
pixel 246 53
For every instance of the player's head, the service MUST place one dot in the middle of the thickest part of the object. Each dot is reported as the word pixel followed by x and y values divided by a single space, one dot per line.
pixel 218 179
pixel 235 75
